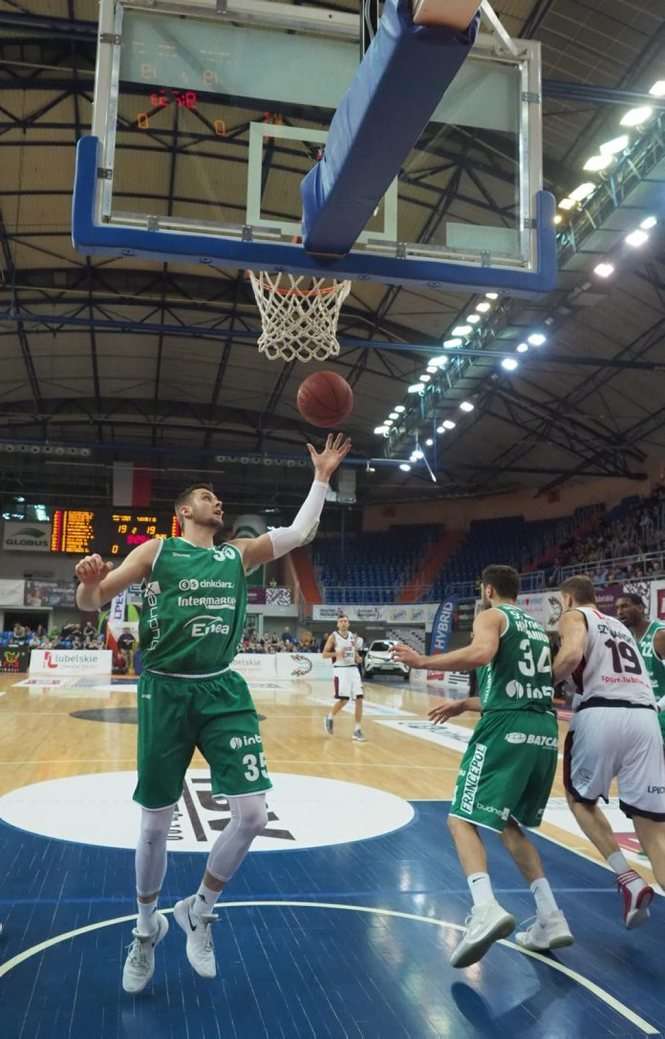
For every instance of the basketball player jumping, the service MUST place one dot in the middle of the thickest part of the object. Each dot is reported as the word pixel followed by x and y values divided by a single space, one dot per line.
pixel 342 647
pixel 508 769
pixel 614 734
pixel 650 638
pixel 193 616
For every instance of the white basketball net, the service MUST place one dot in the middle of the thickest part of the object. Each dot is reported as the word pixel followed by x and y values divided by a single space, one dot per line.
pixel 299 315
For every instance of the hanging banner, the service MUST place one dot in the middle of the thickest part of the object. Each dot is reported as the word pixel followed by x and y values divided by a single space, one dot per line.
pixel 14 659
pixel 50 593
pixel 420 613
pixel 544 607
pixel 656 602
pixel 12 592
pixel 442 628
pixel 117 608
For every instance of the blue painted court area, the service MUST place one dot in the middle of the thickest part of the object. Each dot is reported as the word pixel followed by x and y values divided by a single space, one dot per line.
pixel 367 961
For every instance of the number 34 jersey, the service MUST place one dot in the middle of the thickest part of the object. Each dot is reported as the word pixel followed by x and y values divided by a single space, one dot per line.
pixel 612 667
pixel 520 675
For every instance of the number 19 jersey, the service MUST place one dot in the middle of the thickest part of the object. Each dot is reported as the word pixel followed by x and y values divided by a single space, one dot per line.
pixel 612 667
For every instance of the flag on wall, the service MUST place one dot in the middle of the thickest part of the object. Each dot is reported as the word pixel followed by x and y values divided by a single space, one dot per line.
pixel 442 628
pixel 131 485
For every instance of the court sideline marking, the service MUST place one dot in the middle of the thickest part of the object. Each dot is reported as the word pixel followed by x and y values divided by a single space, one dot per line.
pixel 590 986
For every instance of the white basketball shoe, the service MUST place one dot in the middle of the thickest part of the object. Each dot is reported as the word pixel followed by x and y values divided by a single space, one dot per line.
pixel 140 963
pixel 200 948
pixel 484 926
pixel 550 932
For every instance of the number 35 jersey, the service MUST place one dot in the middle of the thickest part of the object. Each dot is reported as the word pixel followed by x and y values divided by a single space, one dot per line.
pixel 520 675
pixel 612 666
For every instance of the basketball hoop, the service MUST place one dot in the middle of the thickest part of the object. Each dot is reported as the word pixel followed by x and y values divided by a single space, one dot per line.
pixel 299 315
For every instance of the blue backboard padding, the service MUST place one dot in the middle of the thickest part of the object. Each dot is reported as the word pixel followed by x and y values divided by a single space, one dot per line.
pixel 91 238
pixel 400 81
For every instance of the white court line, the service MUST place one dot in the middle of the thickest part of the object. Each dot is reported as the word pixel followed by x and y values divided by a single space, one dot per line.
pixel 579 979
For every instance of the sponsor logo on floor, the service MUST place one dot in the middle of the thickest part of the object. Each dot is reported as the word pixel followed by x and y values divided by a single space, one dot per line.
pixel 303 812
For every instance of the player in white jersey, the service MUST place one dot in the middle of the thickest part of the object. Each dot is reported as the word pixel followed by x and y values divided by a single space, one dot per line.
pixel 343 648
pixel 614 734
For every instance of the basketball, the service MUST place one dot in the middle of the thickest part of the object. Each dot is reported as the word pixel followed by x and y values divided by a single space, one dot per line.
pixel 325 399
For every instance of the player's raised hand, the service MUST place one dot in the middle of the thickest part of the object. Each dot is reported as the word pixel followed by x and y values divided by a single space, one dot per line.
pixel 406 655
pixel 92 569
pixel 327 461
pixel 445 710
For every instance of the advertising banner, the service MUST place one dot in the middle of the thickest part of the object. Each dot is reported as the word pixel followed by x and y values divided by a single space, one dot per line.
pixel 442 628
pixel 303 665
pixel 657 600
pixel 544 607
pixel 70 662
pixel 26 536
pixel 14 659
pixel 11 592
pixel 50 593
pixel 418 613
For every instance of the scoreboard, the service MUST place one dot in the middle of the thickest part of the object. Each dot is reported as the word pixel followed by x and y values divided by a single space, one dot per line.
pixel 110 532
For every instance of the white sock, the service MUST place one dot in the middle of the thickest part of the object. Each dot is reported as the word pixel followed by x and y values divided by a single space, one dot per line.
pixel 617 862
pixel 625 874
pixel 480 887
pixel 204 900
pixel 145 923
pixel 358 727
pixel 545 901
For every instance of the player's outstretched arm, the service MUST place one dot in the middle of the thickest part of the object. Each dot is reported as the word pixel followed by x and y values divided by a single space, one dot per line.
pixel 483 647
pixel 99 581
pixel 282 540
pixel 573 632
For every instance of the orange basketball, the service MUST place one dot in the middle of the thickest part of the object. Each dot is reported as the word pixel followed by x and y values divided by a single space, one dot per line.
pixel 325 399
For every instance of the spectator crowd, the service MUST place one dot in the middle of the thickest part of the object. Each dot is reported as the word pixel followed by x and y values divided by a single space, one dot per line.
pixel 70 636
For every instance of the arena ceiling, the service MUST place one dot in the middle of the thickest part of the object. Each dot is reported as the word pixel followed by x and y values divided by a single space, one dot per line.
pixel 157 362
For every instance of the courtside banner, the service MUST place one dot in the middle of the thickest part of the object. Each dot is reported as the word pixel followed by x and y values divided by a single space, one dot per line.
pixel 442 628
pixel 70 662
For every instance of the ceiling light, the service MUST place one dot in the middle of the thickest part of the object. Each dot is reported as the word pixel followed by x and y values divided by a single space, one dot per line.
pixel 432 369
pixel 523 348
pixel 537 339
pixel 412 456
pixel 439 362
pixel 583 191
pixel 566 203
pixel 637 116
pixel 405 467
pixel 425 378
pixel 440 429
pixel 388 422
pixel 604 270
pixel 616 145
pixel 417 455
pixel 400 409
pixel 558 219
pixel 650 222
pixel 637 239
pixel 473 319
pixel 658 89
pixel 491 295
pixel 429 442
pixel 393 414
pixel 448 423
pixel 462 330
pixel 483 307
pixel 467 406
pixel 598 162
pixel 416 387
pixel 452 344
pixel 510 364
pixel 380 431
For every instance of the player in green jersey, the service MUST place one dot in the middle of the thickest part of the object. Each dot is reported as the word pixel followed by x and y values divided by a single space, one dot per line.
pixel 193 615
pixel 508 769
pixel 650 638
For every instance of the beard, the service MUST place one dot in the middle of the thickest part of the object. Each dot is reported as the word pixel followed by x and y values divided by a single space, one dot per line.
pixel 214 522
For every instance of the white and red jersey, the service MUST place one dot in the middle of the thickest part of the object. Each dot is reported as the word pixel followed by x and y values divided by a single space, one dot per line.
pixel 346 649
pixel 612 667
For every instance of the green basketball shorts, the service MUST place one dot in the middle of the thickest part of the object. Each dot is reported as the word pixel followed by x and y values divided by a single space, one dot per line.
pixel 508 769
pixel 177 715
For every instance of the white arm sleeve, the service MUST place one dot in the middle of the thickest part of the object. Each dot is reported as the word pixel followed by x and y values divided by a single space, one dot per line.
pixel 304 526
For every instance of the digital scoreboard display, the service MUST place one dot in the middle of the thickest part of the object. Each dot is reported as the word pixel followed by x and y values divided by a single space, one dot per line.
pixel 110 532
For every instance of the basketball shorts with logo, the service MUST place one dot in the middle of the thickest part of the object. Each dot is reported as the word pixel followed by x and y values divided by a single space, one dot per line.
pixel 348 685
pixel 178 715
pixel 508 769
pixel 626 743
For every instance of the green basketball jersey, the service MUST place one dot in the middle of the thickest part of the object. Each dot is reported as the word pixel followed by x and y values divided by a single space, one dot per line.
pixel 654 665
pixel 519 678
pixel 194 606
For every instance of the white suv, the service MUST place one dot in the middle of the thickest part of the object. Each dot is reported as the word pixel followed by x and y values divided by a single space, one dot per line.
pixel 379 660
